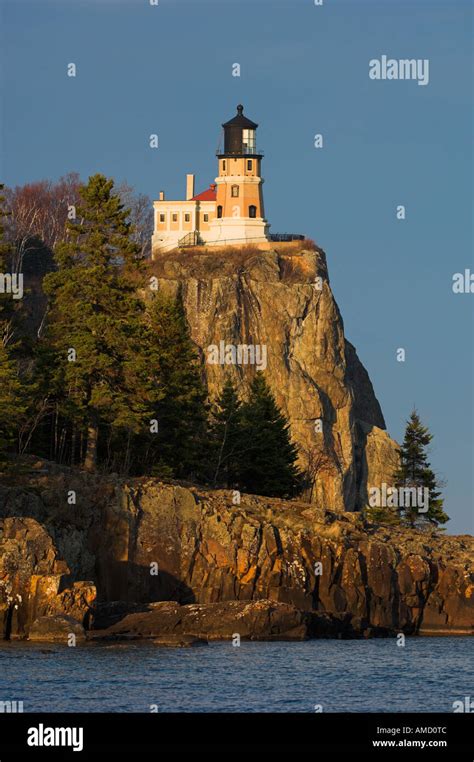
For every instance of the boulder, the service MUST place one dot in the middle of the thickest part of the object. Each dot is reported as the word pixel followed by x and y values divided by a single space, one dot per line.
pixel 56 629
pixel 258 620
pixel 179 641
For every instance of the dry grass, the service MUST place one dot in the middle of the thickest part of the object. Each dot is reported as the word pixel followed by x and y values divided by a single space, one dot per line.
pixel 295 270
pixel 239 252
pixel 206 261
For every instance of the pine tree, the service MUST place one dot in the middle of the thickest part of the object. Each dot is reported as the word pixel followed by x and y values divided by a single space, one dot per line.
pixel 13 402
pixel 381 515
pixel 414 471
pixel 179 448
pixel 227 437
pixel 95 323
pixel 267 464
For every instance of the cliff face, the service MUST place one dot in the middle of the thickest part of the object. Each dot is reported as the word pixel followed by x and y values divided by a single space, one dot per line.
pixel 145 541
pixel 284 303
pixel 313 566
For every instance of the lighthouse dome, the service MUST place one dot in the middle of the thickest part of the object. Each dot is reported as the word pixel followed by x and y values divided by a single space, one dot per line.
pixel 239 135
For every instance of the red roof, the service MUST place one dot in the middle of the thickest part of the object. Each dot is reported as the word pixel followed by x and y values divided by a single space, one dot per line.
pixel 207 195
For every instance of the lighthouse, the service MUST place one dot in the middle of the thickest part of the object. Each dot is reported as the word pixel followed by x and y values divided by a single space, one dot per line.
pixel 240 216
pixel 230 211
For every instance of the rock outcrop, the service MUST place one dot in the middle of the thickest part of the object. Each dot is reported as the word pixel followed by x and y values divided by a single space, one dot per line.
pixel 283 300
pixel 34 582
pixel 56 628
pixel 257 620
pixel 143 541
pixel 253 620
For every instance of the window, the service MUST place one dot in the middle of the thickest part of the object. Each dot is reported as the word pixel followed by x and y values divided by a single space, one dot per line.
pixel 248 141
pixel 223 166
pixel 175 218
pixel 252 211
pixel 162 217
pixel 206 218
pixel 187 218
pixel 249 165
pixel 235 191
pixel 219 211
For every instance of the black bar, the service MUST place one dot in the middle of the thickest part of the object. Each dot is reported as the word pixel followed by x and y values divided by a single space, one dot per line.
pixel 442 734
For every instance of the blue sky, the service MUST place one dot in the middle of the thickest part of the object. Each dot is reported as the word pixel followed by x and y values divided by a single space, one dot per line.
pixel 304 70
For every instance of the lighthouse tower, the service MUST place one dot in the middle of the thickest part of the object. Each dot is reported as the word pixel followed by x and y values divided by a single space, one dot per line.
pixel 229 212
pixel 239 213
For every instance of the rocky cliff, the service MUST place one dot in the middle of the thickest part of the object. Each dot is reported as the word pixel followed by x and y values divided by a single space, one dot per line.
pixel 141 558
pixel 144 541
pixel 282 300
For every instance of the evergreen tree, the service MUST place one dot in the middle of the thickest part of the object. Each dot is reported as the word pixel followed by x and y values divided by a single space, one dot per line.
pixel 381 515
pixel 267 463
pixel 95 326
pixel 13 401
pixel 179 448
pixel 227 437
pixel 414 471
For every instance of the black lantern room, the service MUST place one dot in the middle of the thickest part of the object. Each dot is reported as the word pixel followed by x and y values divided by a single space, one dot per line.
pixel 240 136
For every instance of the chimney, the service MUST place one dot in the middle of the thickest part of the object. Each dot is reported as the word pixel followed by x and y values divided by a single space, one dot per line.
pixel 162 195
pixel 189 187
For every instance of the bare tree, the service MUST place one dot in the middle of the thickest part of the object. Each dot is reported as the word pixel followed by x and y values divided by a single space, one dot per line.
pixel 317 461
pixel 38 214
pixel 141 216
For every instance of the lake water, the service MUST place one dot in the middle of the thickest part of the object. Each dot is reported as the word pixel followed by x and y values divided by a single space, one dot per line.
pixel 427 675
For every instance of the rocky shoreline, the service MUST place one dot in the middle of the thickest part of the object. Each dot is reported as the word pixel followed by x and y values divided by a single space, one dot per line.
pixel 171 563
pixel 168 623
